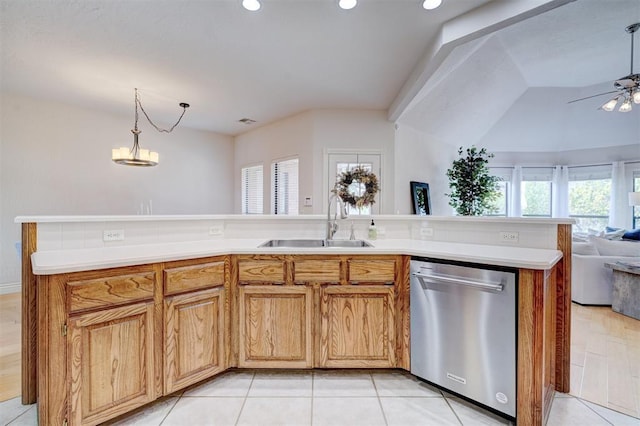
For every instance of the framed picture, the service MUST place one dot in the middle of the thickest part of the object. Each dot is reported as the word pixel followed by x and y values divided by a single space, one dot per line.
pixel 421 198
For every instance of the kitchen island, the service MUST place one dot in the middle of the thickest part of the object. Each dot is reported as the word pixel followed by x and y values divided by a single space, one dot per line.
pixel 162 294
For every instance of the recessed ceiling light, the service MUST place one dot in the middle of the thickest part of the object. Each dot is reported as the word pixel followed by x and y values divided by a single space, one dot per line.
pixel 251 5
pixel 431 4
pixel 347 4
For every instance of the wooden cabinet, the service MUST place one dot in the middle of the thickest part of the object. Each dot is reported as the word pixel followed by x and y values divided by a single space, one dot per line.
pixel 537 340
pixel 371 270
pixel 275 329
pixel 119 338
pixel 129 335
pixel 111 362
pixel 324 311
pixel 357 328
pixel 194 337
pixel 274 315
pixel 196 330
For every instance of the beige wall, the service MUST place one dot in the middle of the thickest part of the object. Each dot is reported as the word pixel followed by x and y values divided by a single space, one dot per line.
pixel 310 136
pixel 55 160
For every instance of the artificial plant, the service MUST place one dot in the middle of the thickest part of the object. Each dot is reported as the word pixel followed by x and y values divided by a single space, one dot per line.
pixel 473 189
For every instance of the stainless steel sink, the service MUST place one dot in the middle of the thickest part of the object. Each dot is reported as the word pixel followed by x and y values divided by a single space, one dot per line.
pixel 293 243
pixel 315 243
pixel 346 243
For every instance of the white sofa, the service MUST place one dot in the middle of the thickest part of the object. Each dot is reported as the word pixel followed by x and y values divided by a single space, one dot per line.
pixel 591 281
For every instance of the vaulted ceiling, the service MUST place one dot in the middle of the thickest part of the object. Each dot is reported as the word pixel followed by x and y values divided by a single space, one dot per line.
pixel 293 56
pixel 510 89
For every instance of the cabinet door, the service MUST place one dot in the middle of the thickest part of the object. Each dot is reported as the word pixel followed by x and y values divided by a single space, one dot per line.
pixel 111 362
pixel 194 337
pixel 275 326
pixel 357 327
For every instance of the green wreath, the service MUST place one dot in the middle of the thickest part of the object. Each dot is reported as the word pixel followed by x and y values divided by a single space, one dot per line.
pixel 359 175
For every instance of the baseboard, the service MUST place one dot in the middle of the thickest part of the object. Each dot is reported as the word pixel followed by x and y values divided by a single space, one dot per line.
pixel 591 304
pixel 8 288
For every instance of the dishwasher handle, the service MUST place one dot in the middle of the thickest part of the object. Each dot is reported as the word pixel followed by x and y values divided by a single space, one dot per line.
pixel 443 279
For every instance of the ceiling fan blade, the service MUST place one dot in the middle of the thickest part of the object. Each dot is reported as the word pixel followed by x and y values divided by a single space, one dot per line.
pixel 592 96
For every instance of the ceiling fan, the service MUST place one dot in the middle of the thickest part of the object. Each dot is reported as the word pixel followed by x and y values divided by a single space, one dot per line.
pixel 627 87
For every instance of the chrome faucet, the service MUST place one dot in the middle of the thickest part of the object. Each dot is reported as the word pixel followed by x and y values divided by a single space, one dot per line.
pixel 332 225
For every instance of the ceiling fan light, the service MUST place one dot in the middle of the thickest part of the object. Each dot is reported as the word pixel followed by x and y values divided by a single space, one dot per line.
pixel 431 4
pixel 251 5
pixel 611 104
pixel 636 96
pixel 347 4
pixel 626 106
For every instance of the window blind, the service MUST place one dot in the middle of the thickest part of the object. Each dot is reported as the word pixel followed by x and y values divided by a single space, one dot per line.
pixel 252 188
pixel 285 187
pixel 590 172
pixel 537 174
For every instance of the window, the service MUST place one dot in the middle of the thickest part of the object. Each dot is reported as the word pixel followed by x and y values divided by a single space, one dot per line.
pixel 589 196
pixel 499 206
pixel 341 162
pixel 535 191
pixel 284 184
pixel 252 190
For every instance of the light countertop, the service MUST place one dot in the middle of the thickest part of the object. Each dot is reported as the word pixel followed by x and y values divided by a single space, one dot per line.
pixel 63 261
pixel 284 218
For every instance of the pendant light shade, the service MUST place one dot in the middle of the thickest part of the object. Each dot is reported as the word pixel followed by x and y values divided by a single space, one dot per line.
pixel 135 156
pixel 626 105
pixel 610 105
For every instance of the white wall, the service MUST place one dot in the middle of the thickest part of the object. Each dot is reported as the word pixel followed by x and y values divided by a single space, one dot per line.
pixel 56 160
pixel 356 131
pixel 309 136
pixel 542 120
pixel 422 158
pixel 576 157
pixel 290 137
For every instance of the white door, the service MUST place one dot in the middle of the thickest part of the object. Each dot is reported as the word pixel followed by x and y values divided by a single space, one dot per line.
pixel 341 162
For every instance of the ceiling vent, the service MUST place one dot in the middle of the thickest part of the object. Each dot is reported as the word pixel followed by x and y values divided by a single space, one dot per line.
pixel 246 121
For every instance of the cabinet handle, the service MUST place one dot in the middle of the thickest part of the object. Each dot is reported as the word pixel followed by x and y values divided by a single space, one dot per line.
pixel 278 283
pixel 354 282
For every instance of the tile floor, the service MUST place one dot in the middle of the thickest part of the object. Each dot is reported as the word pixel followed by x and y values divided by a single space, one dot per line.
pixel 360 397
pixel 605 358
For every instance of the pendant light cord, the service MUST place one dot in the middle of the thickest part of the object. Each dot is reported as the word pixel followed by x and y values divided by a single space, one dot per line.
pixel 632 37
pixel 138 103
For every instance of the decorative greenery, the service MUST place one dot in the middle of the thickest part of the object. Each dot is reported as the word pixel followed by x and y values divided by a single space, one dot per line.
pixel 473 190
pixel 361 176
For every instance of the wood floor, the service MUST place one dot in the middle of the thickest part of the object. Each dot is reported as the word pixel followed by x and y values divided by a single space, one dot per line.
pixel 9 346
pixel 605 355
pixel 605 358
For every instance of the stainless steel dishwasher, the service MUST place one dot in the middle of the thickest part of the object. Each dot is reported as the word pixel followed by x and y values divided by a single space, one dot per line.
pixel 463 330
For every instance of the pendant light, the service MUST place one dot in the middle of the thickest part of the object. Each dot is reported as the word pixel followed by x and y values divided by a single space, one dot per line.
pixel 629 85
pixel 137 156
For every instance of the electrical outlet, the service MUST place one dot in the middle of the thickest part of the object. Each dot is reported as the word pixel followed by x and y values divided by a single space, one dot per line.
pixel 381 231
pixel 215 230
pixel 509 237
pixel 113 235
pixel 426 232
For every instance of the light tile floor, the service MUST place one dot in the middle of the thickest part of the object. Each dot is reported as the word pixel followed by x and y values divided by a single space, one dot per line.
pixel 360 397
